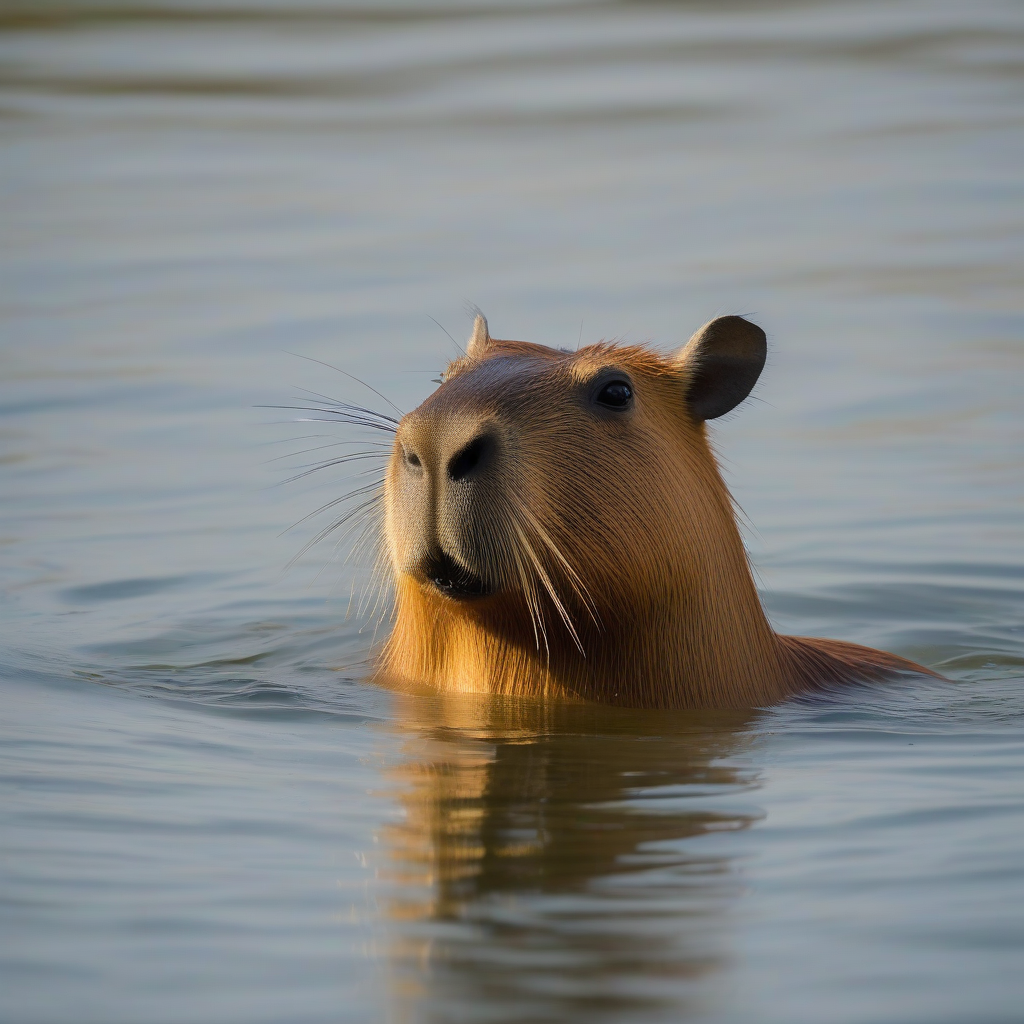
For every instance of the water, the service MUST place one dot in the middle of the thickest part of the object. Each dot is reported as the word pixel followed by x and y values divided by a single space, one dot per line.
pixel 208 813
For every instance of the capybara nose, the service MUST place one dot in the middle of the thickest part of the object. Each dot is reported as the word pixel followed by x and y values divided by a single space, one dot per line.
pixel 472 459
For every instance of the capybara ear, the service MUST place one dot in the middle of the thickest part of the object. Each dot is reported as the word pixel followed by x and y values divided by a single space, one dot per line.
pixel 480 339
pixel 723 361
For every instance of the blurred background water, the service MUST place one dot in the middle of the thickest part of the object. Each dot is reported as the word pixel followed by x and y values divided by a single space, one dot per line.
pixel 208 814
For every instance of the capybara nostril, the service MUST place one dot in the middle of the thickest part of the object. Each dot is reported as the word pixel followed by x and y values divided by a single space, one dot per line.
pixel 411 458
pixel 472 457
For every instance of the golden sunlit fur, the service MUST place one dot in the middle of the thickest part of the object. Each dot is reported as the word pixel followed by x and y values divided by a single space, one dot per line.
pixel 601 542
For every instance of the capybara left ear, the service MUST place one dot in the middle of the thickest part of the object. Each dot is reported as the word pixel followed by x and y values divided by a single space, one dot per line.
pixel 723 361
pixel 480 339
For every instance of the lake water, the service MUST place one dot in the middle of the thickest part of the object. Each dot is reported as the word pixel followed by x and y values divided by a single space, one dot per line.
pixel 208 814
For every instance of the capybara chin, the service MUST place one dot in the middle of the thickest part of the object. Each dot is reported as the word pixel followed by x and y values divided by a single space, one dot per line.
pixel 557 525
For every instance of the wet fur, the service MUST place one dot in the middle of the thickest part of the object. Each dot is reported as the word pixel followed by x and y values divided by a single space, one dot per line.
pixel 612 542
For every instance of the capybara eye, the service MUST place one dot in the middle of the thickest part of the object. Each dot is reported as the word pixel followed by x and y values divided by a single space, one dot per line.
pixel 616 394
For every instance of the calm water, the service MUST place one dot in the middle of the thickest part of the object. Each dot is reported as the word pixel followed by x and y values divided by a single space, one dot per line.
pixel 208 815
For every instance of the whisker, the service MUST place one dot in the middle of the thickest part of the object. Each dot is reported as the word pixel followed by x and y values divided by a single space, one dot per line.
pixel 351 376
pixel 549 586
pixel 338 403
pixel 574 579
pixel 336 525
pixel 380 577
pixel 356 457
pixel 335 501
pixel 526 585
pixel 290 440
pixel 453 341
pixel 354 416
pixel 357 520
pixel 336 407
pixel 363 518
pixel 322 447
pixel 349 422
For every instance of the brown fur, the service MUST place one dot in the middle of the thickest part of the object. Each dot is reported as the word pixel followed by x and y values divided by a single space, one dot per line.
pixel 608 540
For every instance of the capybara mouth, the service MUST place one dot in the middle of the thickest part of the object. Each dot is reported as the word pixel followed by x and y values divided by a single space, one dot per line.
pixel 452 579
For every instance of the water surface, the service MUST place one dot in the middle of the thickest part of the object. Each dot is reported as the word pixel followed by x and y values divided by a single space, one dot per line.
pixel 208 813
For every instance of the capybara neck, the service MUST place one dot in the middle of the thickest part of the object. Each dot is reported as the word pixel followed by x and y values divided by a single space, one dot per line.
pixel 557 525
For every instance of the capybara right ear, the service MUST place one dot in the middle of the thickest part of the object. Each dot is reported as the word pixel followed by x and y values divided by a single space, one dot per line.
pixel 480 339
pixel 722 362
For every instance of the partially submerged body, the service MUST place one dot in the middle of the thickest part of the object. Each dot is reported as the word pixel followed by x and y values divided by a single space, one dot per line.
pixel 557 525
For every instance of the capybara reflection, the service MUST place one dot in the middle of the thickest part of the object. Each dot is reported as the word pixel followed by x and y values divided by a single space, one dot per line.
pixel 557 525
pixel 549 862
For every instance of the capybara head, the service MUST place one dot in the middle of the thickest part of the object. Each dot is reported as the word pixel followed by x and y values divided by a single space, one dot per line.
pixel 557 526
pixel 544 494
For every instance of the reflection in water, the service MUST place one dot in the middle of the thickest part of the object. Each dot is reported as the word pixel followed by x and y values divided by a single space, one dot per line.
pixel 541 871
pixel 190 189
